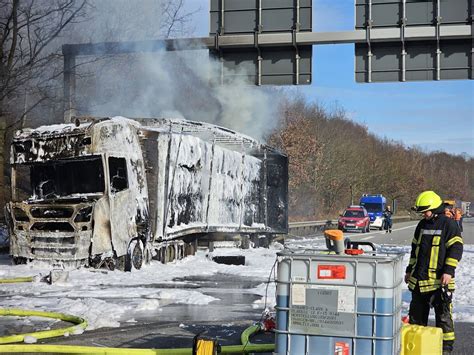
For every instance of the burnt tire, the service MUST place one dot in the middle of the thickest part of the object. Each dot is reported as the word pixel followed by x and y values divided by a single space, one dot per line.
pixel 135 256
pixel 189 249
pixel 245 242
pixel 170 254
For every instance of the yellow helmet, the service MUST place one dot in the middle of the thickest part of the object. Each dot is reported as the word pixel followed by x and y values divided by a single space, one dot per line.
pixel 426 201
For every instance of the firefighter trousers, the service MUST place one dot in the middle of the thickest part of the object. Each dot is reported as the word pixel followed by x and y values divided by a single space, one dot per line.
pixel 420 309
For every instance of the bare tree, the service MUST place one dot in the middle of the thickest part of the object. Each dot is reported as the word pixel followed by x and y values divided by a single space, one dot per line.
pixel 32 32
pixel 175 21
pixel 27 32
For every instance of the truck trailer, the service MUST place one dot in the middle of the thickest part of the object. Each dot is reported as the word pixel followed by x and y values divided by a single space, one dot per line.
pixel 116 192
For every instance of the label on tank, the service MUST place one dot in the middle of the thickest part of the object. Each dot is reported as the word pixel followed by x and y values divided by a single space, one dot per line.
pixel 322 310
pixel 331 272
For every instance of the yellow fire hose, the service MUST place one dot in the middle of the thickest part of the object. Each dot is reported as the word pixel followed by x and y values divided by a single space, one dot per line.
pixel 17 279
pixel 80 324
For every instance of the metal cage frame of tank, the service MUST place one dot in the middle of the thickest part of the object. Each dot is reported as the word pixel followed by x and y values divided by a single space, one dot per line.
pixel 372 258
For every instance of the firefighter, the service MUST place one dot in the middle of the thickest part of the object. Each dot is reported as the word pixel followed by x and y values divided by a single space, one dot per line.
pixel 436 250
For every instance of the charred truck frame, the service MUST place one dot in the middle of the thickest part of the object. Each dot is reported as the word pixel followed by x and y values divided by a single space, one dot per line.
pixel 116 191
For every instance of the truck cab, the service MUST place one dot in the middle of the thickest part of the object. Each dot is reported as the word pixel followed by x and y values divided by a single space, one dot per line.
pixel 375 205
pixel 82 196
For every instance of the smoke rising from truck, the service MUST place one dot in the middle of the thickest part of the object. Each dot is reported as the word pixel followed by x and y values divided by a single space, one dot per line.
pixel 180 84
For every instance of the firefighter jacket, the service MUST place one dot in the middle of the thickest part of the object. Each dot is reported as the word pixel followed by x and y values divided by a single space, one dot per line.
pixel 436 249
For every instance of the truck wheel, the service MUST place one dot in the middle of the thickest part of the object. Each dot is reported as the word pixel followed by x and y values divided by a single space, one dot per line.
pixel 189 250
pixel 254 241
pixel 245 242
pixel 158 256
pixel 135 256
pixel 265 241
pixel 170 254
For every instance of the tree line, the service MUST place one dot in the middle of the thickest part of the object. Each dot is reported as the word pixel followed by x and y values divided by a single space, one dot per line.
pixel 334 160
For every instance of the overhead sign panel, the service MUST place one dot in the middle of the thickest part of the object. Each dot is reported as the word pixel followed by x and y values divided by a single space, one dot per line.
pixel 390 13
pixel 411 60
pixel 250 16
pixel 263 64
pixel 279 66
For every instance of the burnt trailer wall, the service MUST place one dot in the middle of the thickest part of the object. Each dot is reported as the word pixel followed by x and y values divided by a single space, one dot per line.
pixel 203 179
pixel 196 186
pixel 186 203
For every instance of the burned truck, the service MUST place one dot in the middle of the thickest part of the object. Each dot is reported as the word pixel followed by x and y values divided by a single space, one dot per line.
pixel 116 192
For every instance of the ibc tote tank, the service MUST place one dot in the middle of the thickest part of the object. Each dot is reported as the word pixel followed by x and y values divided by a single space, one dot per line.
pixel 338 304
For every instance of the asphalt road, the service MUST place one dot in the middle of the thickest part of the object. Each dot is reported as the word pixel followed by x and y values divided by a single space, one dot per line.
pixel 227 318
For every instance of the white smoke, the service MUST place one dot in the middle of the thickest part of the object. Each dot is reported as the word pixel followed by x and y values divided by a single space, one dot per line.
pixel 182 83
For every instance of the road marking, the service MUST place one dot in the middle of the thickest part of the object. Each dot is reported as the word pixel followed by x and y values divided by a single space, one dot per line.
pixel 383 232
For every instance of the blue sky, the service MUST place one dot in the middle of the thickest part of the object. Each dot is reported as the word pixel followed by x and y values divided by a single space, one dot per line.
pixel 431 115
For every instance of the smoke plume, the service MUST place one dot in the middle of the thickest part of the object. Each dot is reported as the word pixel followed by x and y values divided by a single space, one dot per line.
pixel 179 84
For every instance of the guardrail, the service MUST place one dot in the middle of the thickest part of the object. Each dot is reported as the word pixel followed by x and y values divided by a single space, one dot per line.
pixel 314 227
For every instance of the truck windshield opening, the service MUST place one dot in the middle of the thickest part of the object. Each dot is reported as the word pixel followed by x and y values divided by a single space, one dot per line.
pixel 66 178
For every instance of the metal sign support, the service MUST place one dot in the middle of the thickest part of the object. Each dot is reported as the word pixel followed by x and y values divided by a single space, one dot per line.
pixel 438 49
pixel 472 41
pixel 402 39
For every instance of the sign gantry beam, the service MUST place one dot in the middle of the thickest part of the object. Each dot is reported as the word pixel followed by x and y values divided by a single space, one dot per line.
pixel 257 41
pixel 272 39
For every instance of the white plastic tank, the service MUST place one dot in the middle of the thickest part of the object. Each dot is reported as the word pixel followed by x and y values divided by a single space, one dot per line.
pixel 338 304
